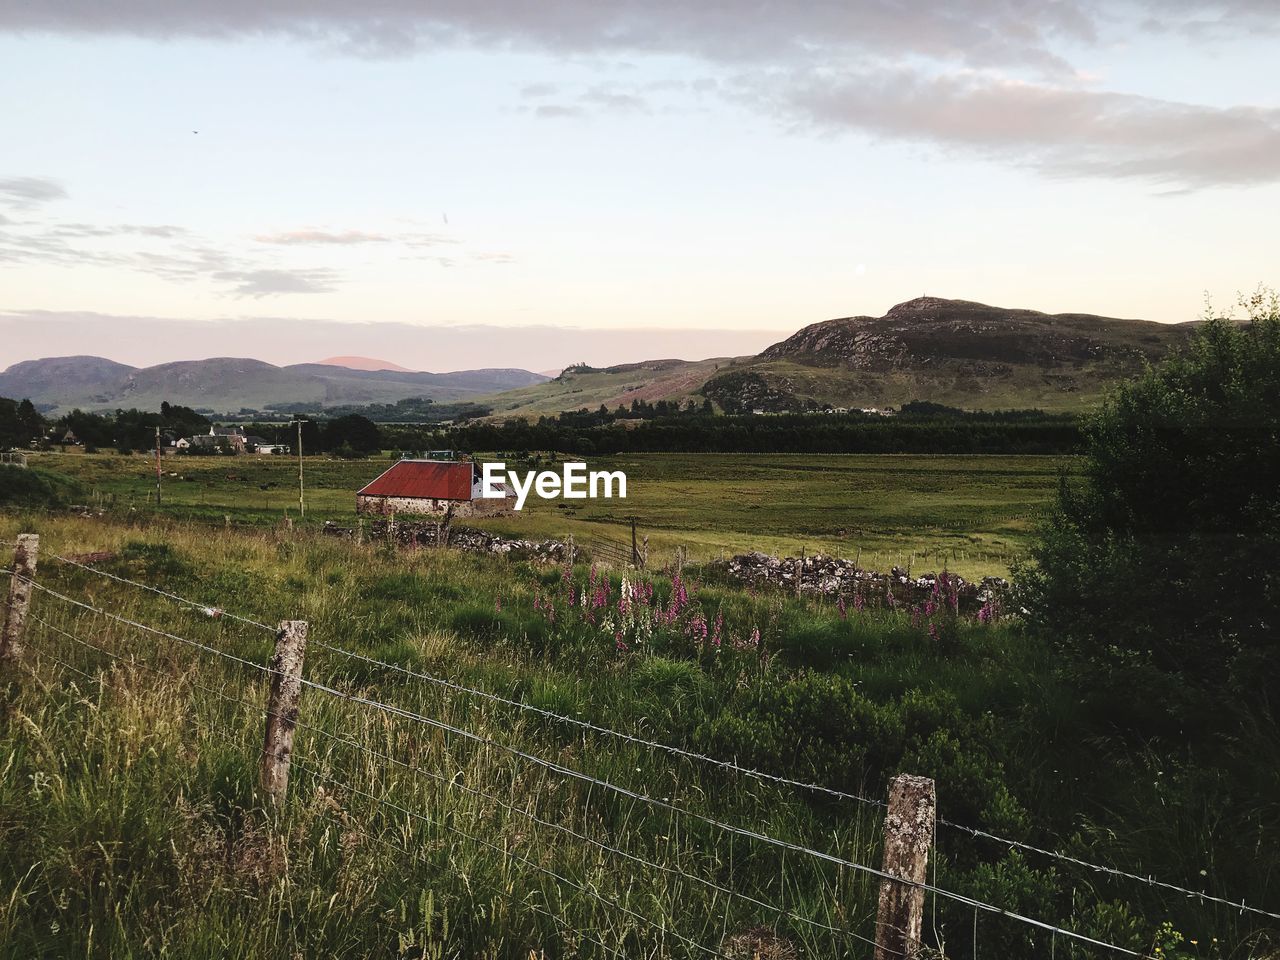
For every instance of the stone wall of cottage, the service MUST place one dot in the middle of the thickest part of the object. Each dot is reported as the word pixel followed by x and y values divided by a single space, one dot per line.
pixel 424 506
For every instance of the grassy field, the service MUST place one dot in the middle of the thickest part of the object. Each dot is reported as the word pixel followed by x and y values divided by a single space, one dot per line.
pixel 970 513
pixel 131 824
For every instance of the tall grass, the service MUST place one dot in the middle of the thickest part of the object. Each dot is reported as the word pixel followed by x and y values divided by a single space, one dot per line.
pixel 133 825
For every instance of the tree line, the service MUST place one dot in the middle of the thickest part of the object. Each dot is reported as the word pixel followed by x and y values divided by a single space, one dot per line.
pixel 642 427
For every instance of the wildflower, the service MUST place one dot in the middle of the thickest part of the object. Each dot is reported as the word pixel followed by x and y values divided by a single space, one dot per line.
pixel 697 628
pixel 751 643
pixel 497 604
pixel 841 608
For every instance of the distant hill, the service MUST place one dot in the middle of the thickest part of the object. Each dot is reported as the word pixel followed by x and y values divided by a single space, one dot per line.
pixel 955 352
pixel 578 387
pixel 363 363
pixel 230 384
pixel 86 378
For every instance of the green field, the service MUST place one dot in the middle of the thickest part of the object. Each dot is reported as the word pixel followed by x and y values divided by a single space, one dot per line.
pixel 971 513
pixel 132 824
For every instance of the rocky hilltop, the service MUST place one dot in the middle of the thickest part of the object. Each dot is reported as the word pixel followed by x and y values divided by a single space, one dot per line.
pixel 983 339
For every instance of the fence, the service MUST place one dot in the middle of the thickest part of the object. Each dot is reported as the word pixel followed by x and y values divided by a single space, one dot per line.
pixel 292 701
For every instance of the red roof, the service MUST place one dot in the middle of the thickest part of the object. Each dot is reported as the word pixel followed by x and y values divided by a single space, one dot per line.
pixel 424 479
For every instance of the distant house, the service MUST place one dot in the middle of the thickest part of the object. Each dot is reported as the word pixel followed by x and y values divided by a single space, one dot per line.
pixel 70 437
pixel 233 436
pixel 230 439
pixel 272 448
pixel 430 487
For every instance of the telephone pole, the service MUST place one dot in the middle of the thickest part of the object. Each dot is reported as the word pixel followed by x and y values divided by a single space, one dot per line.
pixel 159 469
pixel 302 501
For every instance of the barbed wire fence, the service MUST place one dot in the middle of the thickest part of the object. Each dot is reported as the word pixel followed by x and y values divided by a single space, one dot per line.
pixel 350 764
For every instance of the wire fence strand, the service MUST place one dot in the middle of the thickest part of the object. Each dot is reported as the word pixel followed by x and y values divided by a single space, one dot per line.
pixel 729 828
pixel 675 750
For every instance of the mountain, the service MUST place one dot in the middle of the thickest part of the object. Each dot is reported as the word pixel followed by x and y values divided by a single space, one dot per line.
pixel 581 386
pixel 232 384
pixel 85 378
pixel 363 363
pixel 956 352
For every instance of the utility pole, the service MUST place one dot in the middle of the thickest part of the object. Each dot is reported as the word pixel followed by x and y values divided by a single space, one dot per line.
pixel 302 502
pixel 159 469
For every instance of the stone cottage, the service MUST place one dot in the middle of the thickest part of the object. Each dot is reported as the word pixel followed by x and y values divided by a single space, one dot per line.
pixel 437 488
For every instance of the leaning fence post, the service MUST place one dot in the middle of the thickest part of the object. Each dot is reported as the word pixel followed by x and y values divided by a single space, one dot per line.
pixel 15 618
pixel 282 706
pixel 908 835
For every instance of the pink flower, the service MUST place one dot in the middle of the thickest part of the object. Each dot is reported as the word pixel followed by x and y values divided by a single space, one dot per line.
pixel 844 614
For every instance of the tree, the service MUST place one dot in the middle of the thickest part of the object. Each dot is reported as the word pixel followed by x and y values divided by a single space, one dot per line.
pixel 1159 569
pixel 353 431
pixel 20 423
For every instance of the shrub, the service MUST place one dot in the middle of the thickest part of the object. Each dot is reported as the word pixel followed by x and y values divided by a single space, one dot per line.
pixel 21 487
pixel 1159 565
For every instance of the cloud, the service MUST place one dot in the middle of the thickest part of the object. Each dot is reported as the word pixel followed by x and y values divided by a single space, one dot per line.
pixel 269 282
pixel 989 76
pixel 180 257
pixel 1058 130
pixel 969 31
pixel 163 231
pixel 26 192
pixel 323 237
pixel 347 238
pixel 557 111
pixel 536 90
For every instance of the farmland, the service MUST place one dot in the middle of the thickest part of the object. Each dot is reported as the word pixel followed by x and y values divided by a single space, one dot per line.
pixel 971 513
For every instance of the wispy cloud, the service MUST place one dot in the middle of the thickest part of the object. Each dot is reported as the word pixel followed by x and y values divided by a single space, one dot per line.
pixel 179 255
pixel 1059 130
pixel 21 193
pixel 270 282
pixel 967 31
pixel 322 237
pixel 347 238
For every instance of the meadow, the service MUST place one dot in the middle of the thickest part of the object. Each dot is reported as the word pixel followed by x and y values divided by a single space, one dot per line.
pixel 972 514
pixel 132 824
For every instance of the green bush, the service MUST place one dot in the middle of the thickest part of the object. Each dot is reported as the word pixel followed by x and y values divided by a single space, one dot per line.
pixel 1157 569
pixel 21 487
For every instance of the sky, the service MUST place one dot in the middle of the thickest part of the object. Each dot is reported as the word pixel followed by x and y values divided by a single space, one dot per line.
pixel 464 183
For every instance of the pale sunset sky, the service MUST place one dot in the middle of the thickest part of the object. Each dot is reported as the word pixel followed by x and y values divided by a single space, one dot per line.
pixel 619 180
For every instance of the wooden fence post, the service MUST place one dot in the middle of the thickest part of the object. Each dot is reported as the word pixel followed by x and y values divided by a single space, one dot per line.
pixel 635 548
pixel 15 618
pixel 282 706
pixel 908 835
